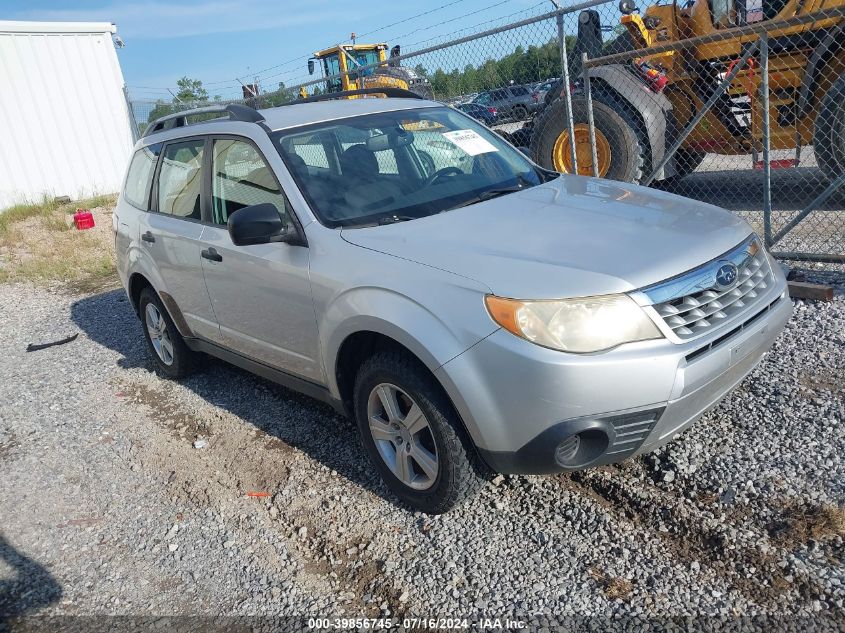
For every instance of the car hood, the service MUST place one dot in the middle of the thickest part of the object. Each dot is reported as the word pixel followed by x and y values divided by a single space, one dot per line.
pixel 571 237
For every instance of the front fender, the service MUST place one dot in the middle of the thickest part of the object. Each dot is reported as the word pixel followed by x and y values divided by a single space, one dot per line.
pixel 431 338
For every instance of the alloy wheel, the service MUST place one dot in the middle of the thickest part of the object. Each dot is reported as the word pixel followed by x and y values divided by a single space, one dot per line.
pixel 402 436
pixel 159 335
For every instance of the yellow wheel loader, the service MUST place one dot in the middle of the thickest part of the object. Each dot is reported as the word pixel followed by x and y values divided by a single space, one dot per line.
pixel 355 65
pixel 641 105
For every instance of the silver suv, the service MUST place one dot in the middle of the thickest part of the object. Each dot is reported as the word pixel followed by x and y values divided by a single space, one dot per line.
pixel 468 309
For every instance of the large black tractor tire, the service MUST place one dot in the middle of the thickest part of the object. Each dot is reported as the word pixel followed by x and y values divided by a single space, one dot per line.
pixel 622 148
pixel 829 135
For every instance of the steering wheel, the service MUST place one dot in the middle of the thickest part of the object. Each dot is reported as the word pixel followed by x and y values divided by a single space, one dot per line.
pixel 440 173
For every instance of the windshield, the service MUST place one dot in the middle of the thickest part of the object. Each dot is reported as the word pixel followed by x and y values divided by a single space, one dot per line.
pixel 363 58
pixel 331 66
pixel 400 165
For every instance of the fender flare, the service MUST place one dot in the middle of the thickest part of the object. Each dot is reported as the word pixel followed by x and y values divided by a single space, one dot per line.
pixel 654 108
pixel 139 264
pixel 395 316
pixel 830 42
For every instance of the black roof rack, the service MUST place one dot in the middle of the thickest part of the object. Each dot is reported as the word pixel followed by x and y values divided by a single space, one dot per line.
pixel 392 93
pixel 236 112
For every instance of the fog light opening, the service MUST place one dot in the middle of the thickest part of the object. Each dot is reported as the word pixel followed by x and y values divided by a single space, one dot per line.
pixel 581 448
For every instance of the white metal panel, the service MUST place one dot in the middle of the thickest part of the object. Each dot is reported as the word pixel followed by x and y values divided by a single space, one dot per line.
pixel 64 123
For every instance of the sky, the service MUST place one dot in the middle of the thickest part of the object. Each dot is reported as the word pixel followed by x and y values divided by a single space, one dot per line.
pixel 221 41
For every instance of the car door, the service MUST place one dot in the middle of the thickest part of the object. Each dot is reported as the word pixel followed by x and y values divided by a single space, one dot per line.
pixel 171 235
pixel 261 293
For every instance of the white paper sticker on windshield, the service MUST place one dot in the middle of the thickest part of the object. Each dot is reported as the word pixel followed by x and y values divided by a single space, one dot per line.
pixel 470 142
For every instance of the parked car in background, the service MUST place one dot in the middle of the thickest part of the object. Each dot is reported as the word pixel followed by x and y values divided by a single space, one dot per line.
pixel 486 114
pixel 511 102
pixel 540 92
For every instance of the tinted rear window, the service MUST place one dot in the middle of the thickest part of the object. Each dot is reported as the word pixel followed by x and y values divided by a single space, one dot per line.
pixel 140 178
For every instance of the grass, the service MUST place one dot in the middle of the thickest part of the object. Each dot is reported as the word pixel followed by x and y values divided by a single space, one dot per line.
pixel 800 524
pixel 39 244
pixel 20 212
pixel 613 587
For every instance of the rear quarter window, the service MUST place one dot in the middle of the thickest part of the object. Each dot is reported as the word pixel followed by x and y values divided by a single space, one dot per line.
pixel 139 179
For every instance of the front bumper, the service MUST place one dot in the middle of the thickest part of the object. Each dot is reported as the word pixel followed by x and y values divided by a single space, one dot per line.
pixel 523 404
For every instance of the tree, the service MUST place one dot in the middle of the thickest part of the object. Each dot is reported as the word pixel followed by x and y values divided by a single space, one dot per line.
pixel 191 90
pixel 162 108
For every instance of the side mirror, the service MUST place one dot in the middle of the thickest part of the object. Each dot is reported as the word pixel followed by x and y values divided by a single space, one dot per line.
pixel 310 66
pixel 259 224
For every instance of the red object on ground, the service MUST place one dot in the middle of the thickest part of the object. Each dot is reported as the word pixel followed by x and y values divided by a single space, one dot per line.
pixel 83 219
pixel 257 494
pixel 780 163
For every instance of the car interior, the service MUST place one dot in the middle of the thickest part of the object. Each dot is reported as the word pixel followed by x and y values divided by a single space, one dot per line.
pixel 388 170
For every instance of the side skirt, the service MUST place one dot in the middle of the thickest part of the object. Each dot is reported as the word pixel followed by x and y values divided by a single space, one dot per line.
pixel 306 387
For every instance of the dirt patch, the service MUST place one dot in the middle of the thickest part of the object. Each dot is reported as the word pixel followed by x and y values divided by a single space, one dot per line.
pixel 799 524
pixel 41 244
pixel 164 411
pixel 691 536
pixel 613 587
pixel 833 380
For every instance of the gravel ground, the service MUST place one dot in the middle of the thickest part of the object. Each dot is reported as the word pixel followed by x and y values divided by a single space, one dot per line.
pixel 127 494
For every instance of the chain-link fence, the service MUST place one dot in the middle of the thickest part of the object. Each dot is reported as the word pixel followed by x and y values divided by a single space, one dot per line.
pixel 740 104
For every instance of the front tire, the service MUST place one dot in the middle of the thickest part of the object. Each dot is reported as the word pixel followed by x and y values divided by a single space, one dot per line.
pixel 829 133
pixel 620 148
pixel 413 435
pixel 170 354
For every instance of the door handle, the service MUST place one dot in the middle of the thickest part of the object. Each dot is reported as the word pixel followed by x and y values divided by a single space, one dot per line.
pixel 148 237
pixel 212 254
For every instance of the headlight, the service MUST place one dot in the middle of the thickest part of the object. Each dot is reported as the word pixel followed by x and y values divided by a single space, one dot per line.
pixel 588 324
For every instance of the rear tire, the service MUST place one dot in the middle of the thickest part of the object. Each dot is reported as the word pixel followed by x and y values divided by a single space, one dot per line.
pixel 455 473
pixel 829 134
pixel 628 150
pixel 520 113
pixel 171 356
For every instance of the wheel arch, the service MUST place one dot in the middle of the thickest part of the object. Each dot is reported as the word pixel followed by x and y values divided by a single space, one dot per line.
pixel 830 45
pixel 135 286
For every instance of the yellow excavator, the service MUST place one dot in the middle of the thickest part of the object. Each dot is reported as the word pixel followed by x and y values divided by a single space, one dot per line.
pixel 640 104
pixel 352 66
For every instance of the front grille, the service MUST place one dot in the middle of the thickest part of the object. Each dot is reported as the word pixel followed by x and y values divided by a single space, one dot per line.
pixel 631 430
pixel 696 303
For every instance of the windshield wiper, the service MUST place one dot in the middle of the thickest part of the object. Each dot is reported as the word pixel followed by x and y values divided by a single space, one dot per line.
pixel 393 219
pixel 488 195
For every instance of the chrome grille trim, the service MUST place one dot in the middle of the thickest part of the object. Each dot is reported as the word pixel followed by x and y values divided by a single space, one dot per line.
pixel 693 304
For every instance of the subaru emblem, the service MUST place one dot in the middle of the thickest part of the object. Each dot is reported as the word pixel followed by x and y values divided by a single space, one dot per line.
pixel 726 276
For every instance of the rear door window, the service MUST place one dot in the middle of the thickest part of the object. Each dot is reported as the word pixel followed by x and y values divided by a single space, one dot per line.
pixel 519 91
pixel 180 179
pixel 139 179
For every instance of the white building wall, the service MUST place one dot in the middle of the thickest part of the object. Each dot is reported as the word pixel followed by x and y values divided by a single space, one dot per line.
pixel 64 122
